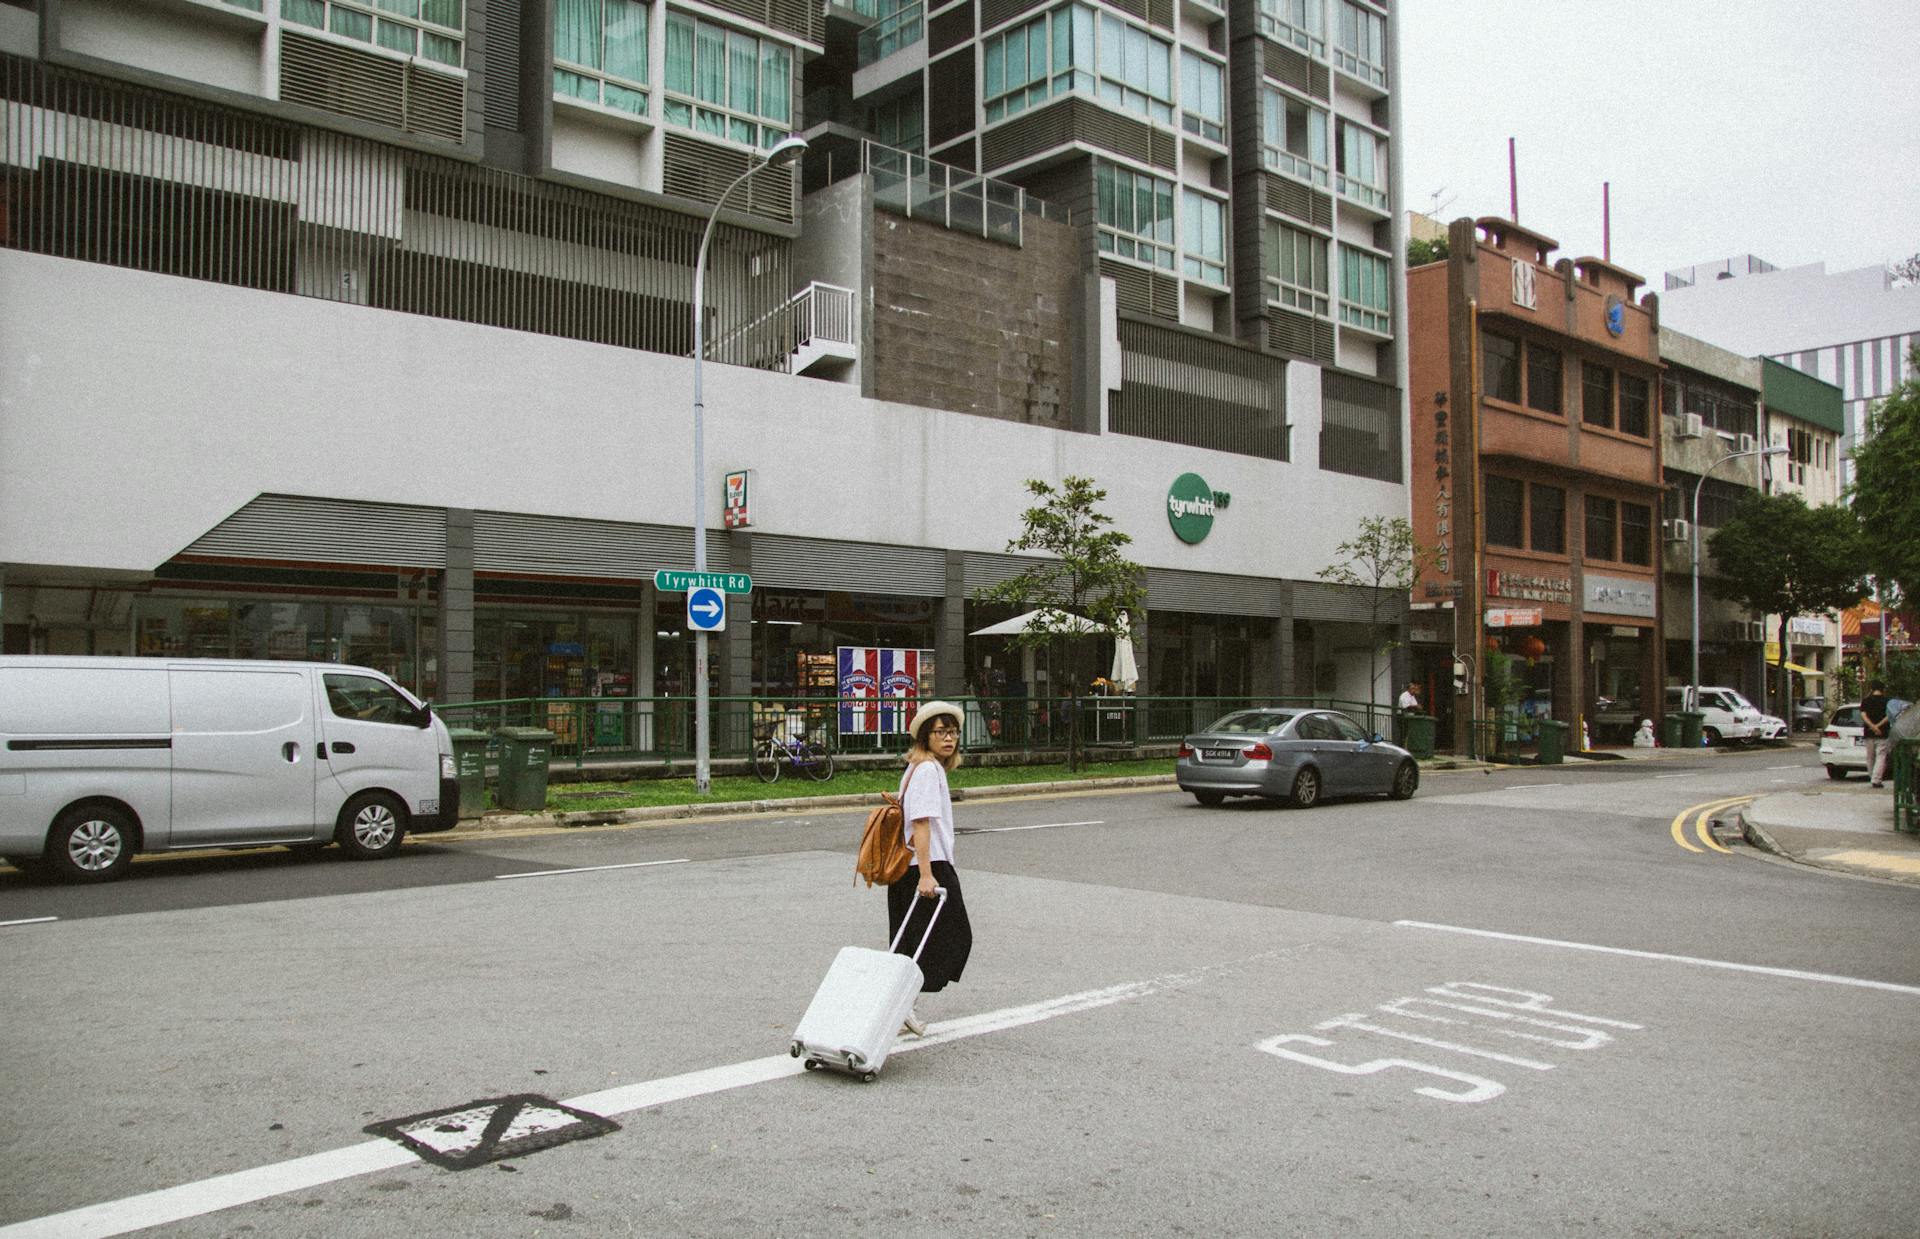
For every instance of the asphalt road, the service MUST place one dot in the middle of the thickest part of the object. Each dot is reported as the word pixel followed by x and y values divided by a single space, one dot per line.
pixel 1515 1005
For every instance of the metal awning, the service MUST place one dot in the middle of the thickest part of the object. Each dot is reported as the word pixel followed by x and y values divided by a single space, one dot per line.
pixel 1796 667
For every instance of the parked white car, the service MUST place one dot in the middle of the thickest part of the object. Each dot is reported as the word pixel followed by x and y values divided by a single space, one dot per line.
pixel 104 757
pixel 1729 715
pixel 1843 743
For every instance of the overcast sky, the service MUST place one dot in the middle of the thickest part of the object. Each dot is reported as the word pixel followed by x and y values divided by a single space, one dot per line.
pixel 1787 130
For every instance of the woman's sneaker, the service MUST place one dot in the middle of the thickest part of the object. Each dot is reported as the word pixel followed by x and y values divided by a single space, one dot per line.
pixel 914 1025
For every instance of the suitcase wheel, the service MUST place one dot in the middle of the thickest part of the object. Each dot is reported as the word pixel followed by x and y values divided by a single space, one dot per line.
pixel 794 1049
pixel 868 1077
pixel 813 1064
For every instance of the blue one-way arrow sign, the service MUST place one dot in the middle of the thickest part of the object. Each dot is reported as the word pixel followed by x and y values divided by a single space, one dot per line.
pixel 706 609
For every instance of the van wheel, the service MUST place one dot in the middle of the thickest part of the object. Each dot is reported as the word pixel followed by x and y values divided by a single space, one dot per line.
pixel 371 825
pixel 1711 735
pixel 91 843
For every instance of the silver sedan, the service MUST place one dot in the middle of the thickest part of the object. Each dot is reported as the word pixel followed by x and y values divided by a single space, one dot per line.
pixel 1298 755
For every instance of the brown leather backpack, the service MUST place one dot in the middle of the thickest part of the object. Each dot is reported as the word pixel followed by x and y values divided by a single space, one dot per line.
pixel 884 855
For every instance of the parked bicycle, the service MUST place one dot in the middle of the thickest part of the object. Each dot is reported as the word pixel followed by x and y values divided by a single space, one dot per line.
pixel 802 755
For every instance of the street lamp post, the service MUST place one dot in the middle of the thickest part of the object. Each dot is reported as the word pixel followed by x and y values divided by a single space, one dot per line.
pixel 1693 693
pixel 781 155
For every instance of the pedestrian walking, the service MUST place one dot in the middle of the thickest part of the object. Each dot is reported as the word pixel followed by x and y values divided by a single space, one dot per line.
pixel 926 805
pixel 1873 718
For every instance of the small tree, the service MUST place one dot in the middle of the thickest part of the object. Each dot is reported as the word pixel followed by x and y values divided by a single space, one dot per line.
pixel 1777 555
pixel 1087 587
pixel 1420 253
pixel 1886 490
pixel 1385 560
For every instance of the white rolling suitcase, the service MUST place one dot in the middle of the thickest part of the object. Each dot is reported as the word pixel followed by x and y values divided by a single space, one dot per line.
pixel 856 1014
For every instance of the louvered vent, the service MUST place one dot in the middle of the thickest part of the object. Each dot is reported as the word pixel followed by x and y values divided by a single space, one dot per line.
pixel 1299 336
pixel 702 172
pixel 794 17
pixel 1133 288
pixel 1160 13
pixel 1322 87
pixel 349 82
pixel 1288 66
pixel 997 12
pixel 334 531
pixel 1290 197
pixel 1164 148
pixel 502 109
pixel 1132 8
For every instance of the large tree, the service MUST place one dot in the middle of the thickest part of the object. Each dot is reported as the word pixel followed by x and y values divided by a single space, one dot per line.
pixel 1383 560
pixel 1086 586
pixel 1776 555
pixel 1886 490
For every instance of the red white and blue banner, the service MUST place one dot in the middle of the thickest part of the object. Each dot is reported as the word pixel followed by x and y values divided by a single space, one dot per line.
pixel 879 688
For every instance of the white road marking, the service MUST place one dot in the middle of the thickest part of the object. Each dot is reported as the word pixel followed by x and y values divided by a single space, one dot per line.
pixel 31 920
pixel 1764 970
pixel 1521 787
pixel 173 1204
pixel 1001 830
pixel 1672 776
pixel 1796 767
pixel 554 873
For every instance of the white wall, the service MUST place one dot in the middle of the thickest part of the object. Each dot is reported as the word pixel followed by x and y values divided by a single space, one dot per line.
pixel 137 411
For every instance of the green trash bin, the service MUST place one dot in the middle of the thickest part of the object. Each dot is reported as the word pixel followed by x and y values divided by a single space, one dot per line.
pixel 1671 729
pixel 1417 730
pixel 524 753
pixel 1690 723
pixel 1553 742
pixel 470 768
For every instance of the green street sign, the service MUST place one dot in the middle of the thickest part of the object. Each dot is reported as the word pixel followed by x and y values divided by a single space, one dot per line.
pixel 675 581
pixel 1190 507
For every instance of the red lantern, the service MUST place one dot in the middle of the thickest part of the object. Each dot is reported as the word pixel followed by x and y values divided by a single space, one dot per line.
pixel 1493 644
pixel 1533 647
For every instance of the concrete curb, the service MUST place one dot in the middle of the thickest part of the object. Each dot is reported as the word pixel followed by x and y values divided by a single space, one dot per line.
pixel 791 804
pixel 1756 835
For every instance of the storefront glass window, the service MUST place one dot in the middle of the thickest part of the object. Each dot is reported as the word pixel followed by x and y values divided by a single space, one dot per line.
pixel 289 630
pixel 184 628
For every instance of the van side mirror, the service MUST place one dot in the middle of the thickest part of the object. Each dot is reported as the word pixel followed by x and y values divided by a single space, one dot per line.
pixel 422 717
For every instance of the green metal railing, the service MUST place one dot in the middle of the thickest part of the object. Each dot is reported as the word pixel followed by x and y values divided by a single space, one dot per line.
pixel 613 730
pixel 1906 786
pixel 1511 737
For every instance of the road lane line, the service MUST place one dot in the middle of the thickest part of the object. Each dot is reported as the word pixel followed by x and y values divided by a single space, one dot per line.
pixel 1793 974
pixel 1001 830
pixel 1521 787
pixel 30 920
pixel 1787 767
pixel 173 1204
pixel 1672 776
pixel 554 873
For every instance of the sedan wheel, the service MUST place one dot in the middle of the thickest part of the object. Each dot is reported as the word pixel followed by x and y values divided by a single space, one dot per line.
pixel 1837 773
pixel 1306 788
pixel 1405 780
pixel 1210 799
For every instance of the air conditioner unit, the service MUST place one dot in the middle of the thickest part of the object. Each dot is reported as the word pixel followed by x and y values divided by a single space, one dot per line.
pixel 1691 426
pixel 1679 530
pixel 1743 443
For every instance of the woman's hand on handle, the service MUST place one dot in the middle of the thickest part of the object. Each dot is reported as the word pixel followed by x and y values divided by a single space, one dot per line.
pixel 929 888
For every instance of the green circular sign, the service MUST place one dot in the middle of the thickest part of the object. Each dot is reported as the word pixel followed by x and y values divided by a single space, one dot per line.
pixel 1190 507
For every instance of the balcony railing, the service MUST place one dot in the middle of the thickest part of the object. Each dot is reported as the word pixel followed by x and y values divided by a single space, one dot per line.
pixel 918 188
pixel 901 28
pixel 1352 187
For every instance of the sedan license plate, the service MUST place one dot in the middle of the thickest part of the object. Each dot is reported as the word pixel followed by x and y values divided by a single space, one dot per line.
pixel 1219 754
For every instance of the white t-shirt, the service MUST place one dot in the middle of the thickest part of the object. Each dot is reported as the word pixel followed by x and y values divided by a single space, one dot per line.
pixel 924 794
pixel 1408 701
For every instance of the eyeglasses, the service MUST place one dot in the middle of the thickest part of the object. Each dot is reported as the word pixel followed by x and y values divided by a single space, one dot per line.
pixel 943 731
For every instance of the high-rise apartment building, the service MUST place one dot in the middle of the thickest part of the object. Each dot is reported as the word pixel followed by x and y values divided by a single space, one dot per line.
pixel 360 329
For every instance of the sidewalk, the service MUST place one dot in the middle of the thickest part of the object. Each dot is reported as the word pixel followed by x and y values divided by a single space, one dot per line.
pixel 1844 826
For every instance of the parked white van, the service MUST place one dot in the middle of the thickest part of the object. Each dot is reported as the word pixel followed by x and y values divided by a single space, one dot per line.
pixel 1728 715
pixel 104 757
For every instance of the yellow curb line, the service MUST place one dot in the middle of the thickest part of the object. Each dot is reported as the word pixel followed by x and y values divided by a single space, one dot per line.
pixel 1678 827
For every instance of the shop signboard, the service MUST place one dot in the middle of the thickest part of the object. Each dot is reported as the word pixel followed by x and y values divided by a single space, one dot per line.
pixel 880 688
pixel 1513 617
pixel 1619 595
pixel 736 515
pixel 1191 506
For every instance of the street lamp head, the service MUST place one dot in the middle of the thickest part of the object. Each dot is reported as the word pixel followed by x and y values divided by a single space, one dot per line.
pixel 786 151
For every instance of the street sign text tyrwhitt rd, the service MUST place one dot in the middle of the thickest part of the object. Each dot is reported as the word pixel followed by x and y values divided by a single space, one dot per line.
pixel 676 581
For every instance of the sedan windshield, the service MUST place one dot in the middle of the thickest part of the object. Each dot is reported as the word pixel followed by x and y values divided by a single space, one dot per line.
pixel 1252 722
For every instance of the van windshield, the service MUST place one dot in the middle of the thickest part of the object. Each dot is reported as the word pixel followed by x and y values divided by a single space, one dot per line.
pixel 1737 701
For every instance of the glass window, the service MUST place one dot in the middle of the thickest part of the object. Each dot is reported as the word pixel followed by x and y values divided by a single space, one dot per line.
pixel 1366 290
pixel 1601 513
pixel 1506 512
pixel 751 79
pixel 403 25
pixel 598 39
pixel 1362 49
pixel 1636 534
pixel 1252 722
pixel 1547 518
pixel 1136 214
pixel 1293 136
pixel 1361 161
pixel 1203 96
pixel 1500 367
pixel 1346 729
pixel 290 630
pixel 1543 378
pixel 1633 405
pixel 1300 22
pixel 366 700
pixel 1596 395
pixel 1296 268
pixel 1205 237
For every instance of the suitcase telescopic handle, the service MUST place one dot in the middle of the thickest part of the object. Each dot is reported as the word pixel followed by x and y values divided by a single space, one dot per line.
pixel 940 894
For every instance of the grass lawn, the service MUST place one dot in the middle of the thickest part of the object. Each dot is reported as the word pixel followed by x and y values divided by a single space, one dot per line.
pixel 639 793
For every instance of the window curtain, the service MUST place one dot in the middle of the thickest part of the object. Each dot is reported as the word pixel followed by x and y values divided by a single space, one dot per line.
pixel 776 83
pixel 576 32
pixel 743 73
pixel 710 64
pixel 680 53
pixel 627 39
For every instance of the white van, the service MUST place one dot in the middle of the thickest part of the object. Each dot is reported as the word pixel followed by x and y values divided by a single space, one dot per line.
pixel 104 757
pixel 1728 714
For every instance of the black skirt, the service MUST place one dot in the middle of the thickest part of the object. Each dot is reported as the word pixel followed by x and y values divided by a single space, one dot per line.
pixel 945 956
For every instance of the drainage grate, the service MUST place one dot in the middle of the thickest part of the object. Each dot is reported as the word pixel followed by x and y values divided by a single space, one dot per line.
pixel 462 1137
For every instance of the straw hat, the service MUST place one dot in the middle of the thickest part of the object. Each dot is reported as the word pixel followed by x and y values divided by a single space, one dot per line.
pixel 933 710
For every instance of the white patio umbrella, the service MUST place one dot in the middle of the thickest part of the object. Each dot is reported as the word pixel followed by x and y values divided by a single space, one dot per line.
pixel 1062 622
pixel 1126 671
